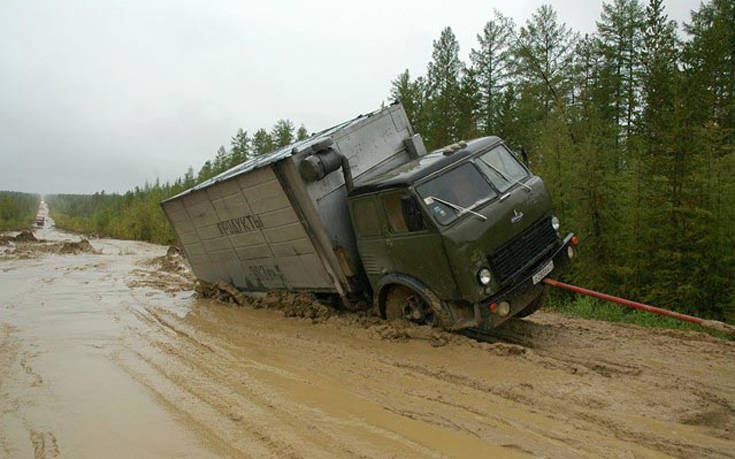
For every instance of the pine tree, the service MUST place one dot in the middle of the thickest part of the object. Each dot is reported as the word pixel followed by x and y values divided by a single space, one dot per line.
pixel 597 182
pixel 262 142
pixel 544 53
pixel 205 172
pixel 188 180
pixel 411 94
pixel 468 103
pixel 282 133
pixel 302 133
pixel 620 31
pixel 240 144
pixel 220 160
pixel 709 61
pixel 491 64
pixel 443 88
pixel 662 162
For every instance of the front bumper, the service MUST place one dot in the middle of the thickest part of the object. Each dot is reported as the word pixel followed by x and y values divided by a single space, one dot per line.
pixel 523 291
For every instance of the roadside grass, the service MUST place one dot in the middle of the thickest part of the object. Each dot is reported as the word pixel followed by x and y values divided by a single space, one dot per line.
pixel 591 308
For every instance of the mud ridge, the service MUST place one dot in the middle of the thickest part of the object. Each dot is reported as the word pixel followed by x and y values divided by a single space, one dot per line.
pixel 34 248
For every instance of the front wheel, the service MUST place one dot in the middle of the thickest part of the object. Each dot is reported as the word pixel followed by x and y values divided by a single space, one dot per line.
pixel 403 303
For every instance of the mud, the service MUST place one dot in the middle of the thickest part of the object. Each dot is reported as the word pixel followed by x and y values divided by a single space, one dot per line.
pixel 25 236
pixel 291 304
pixel 113 353
pixel 29 249
pixel 170 273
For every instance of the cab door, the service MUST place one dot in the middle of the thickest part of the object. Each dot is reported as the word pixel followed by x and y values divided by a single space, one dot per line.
pixel 413 244
pixel 367 220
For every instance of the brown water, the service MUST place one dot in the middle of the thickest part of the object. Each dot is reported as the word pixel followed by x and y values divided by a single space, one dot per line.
pixel 103 355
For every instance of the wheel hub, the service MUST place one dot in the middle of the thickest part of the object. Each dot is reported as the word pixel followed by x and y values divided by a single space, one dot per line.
pixel 414 309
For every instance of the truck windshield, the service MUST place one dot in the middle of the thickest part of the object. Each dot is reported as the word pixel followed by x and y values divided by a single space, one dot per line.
pixel 461 187
pixel 502 168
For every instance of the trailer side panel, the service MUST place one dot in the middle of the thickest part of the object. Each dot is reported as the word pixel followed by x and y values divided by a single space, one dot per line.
pixel 244 230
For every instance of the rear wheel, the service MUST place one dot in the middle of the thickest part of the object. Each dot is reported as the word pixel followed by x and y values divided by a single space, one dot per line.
pixel 404 303
pixel 534 305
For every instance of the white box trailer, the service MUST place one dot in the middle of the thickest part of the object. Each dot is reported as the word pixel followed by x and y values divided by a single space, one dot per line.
pixel 280 221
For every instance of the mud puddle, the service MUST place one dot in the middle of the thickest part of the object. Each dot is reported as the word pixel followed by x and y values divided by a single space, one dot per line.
pixel 112 353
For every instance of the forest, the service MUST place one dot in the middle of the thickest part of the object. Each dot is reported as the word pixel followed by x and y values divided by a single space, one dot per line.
pixel 17 210
pixel 632 128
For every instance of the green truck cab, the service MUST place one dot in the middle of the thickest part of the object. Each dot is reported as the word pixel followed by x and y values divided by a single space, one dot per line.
pixel 460 237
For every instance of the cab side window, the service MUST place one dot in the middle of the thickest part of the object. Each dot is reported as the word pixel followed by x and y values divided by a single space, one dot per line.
pixel 392 204
pixel 403 213
pixel 365 216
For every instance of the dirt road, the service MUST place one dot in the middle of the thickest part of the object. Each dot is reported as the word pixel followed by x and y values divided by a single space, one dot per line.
pixel 104 355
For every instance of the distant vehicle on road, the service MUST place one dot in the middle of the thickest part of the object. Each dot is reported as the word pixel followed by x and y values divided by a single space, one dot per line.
pixel 40 221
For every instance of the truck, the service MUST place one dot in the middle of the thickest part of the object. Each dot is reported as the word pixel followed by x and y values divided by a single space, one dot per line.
pixel 460 237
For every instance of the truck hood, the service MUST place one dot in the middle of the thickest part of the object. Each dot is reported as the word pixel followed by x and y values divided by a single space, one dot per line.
pixel 469 241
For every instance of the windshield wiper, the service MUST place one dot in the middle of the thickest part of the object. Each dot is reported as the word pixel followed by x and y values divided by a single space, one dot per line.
pixel 458 207
pixel 528 188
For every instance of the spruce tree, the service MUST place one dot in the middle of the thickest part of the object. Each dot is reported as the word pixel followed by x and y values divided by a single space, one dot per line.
pixel 262 142
pixel 282 133
pixel 220 160
pixel 662 164
pixel 443 88
pixel 240 144
pixel 544 52
pixel 620 31
pixel 709 61
pixel 205 172
pixel 491 65
pixel 411 94
pixel 302 133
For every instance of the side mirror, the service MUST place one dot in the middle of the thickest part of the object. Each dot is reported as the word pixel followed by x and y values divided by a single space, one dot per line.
pixel 412 213
pixel 524 156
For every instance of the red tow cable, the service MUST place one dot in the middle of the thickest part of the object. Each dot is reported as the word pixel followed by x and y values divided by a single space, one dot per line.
pixel 633 304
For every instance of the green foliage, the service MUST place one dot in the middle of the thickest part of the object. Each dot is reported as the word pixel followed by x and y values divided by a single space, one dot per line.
pixel 412 95
pixel 632 129
pixel 17 210
pixel 302 133
pixel 241 149
pixel 262 142
pixel 443 90
pixel 134 215
pixel 282 133
pixel 491 65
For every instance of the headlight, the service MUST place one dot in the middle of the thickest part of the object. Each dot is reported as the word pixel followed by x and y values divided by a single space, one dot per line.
pixel 484 276
pixel 555 223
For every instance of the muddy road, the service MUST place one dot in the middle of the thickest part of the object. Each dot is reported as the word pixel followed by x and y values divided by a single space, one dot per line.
pixel 108 353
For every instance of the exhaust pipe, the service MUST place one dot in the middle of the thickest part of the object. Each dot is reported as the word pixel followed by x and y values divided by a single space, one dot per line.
pixel 317 165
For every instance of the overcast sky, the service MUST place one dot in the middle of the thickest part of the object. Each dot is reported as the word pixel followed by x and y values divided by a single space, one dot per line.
pixel 103 95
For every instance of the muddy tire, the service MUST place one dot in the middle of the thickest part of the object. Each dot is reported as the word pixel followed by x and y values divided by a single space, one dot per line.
pixel 535 305
pixel 403 303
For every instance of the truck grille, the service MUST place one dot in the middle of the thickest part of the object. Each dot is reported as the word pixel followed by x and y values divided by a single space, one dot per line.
pixel 523 249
